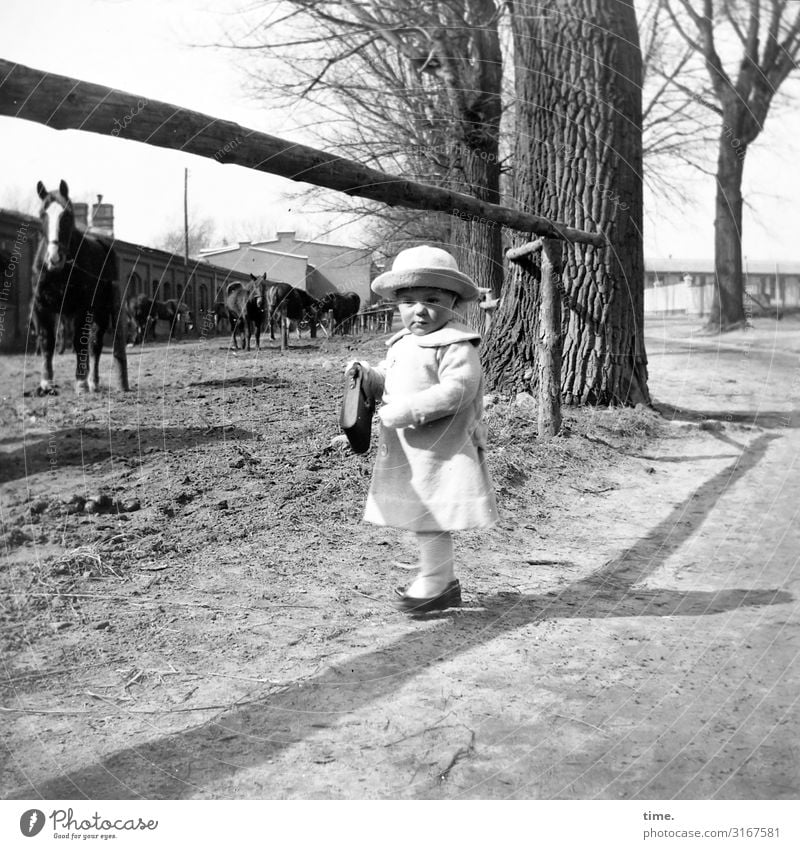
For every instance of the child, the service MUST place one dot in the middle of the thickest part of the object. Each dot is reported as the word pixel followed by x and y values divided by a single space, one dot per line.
pixel 430 475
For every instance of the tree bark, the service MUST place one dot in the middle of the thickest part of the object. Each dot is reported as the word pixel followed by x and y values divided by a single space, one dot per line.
pixel 579 153
pixel 476 158
pixel 727 304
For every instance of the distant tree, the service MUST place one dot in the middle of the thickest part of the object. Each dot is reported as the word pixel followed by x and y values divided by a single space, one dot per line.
pixel 409 86
pixel 748 48
pixel 201 235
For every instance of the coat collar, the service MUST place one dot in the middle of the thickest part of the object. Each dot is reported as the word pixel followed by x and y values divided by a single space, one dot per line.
pixel 452 332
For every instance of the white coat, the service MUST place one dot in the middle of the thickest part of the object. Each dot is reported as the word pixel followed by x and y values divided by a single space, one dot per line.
pixel 431 473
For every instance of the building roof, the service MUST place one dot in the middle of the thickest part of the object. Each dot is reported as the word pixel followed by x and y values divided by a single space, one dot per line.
pixel 250 247
pixel 682 265
pixel 21 216
pixel 334 246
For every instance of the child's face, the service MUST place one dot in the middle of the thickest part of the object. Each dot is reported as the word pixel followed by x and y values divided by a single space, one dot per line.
pixel 425 309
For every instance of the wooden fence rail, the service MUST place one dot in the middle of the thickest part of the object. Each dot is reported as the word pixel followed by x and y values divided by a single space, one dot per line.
pixel 64 103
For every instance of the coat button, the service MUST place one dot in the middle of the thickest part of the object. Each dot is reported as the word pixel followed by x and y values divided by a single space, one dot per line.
pixel 384 450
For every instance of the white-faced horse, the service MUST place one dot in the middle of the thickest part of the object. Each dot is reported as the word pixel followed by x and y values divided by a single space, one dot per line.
pixel 74 275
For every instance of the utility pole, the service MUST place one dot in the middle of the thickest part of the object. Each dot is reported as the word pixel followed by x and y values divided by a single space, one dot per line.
pixel 185 232
pixel 186 218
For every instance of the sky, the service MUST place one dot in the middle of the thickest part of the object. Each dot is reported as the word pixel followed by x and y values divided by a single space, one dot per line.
pixel 154 48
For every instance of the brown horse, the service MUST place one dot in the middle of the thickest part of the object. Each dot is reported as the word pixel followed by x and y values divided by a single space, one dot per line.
pixel 343 306
pixel 74 275
pixel 246 305
pixel 285 303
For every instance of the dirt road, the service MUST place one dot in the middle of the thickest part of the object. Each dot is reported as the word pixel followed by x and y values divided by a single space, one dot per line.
pixel 630 630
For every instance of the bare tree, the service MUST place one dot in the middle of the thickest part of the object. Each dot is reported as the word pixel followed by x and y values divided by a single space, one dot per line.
pixel 410 87
pixel 742 82
pixel 677 133
pixel 201 234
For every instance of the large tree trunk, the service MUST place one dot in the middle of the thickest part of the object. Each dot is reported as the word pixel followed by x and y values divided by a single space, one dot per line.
pixel 476 156
pixel 727 305
pixel 579 160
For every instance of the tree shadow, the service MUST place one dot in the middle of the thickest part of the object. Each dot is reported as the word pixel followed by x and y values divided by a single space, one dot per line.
pixel 246 735
pixel 771 419
pixel 79 446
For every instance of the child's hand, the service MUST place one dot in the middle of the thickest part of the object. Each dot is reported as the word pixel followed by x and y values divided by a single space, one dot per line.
pixel 364 365
pixel 395 415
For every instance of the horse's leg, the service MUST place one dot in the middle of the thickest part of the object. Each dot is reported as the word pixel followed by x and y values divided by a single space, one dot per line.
pixel 81 336
pixel 234 326
pixel 61 333
pixel 284 330
pixel 119 342
pixel 46 341
pixel 96 333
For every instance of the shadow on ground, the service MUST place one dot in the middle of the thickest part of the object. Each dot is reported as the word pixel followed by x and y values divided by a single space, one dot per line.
pixel 79 446
pixel 771 419
pixel 246 735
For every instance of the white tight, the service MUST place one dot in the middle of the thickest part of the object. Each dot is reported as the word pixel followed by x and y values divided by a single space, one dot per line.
pixel 435 564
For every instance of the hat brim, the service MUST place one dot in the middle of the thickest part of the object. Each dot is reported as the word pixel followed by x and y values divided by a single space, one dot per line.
pixel 387 284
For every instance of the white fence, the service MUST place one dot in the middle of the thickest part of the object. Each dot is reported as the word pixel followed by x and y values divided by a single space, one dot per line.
pixel 678 298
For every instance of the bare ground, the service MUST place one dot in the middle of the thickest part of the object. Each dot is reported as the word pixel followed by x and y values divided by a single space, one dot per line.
pixel 221 626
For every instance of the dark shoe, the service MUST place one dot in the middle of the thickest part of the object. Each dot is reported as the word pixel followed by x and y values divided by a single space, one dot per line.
pixel 450 596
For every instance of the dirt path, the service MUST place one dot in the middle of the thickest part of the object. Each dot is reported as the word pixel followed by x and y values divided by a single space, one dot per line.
pixel 630 630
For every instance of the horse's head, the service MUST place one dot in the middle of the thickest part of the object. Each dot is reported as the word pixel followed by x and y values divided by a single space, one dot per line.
pixel 258 290
pixel 58 222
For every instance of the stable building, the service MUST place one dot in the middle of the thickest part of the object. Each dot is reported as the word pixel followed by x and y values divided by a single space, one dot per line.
pixel 316 267
pixel 161 275
pixel 687 285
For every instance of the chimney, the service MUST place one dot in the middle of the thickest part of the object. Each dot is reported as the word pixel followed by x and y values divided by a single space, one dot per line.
pixel 103 217
pixel 81 212
pixel 287 235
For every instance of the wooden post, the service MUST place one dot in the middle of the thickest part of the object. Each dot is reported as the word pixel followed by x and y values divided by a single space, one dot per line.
pixel 548 340
pixel 548 343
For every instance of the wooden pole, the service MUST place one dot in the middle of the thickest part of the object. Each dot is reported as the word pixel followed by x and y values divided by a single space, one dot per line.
pixel 186 221
pixel 68 104
pixel 548 340
pixel 548 343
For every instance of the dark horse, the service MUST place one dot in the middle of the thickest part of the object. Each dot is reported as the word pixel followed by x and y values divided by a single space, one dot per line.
pixel 246 305
pixel 343 306
pixel 74 275
pixel 285 304
pixel 144 312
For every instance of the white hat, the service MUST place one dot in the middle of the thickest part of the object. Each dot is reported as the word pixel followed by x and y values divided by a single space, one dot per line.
pixel 425 266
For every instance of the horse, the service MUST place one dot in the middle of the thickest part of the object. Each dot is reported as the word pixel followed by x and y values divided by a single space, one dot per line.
pixel 74 274
pixel 286 303
pixel 145 312
pixel 343 305
pixel 178 315
pixel 246 306
pixel 140 309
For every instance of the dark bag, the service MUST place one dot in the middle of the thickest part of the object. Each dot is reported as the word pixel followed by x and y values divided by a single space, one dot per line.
pixel 355 417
